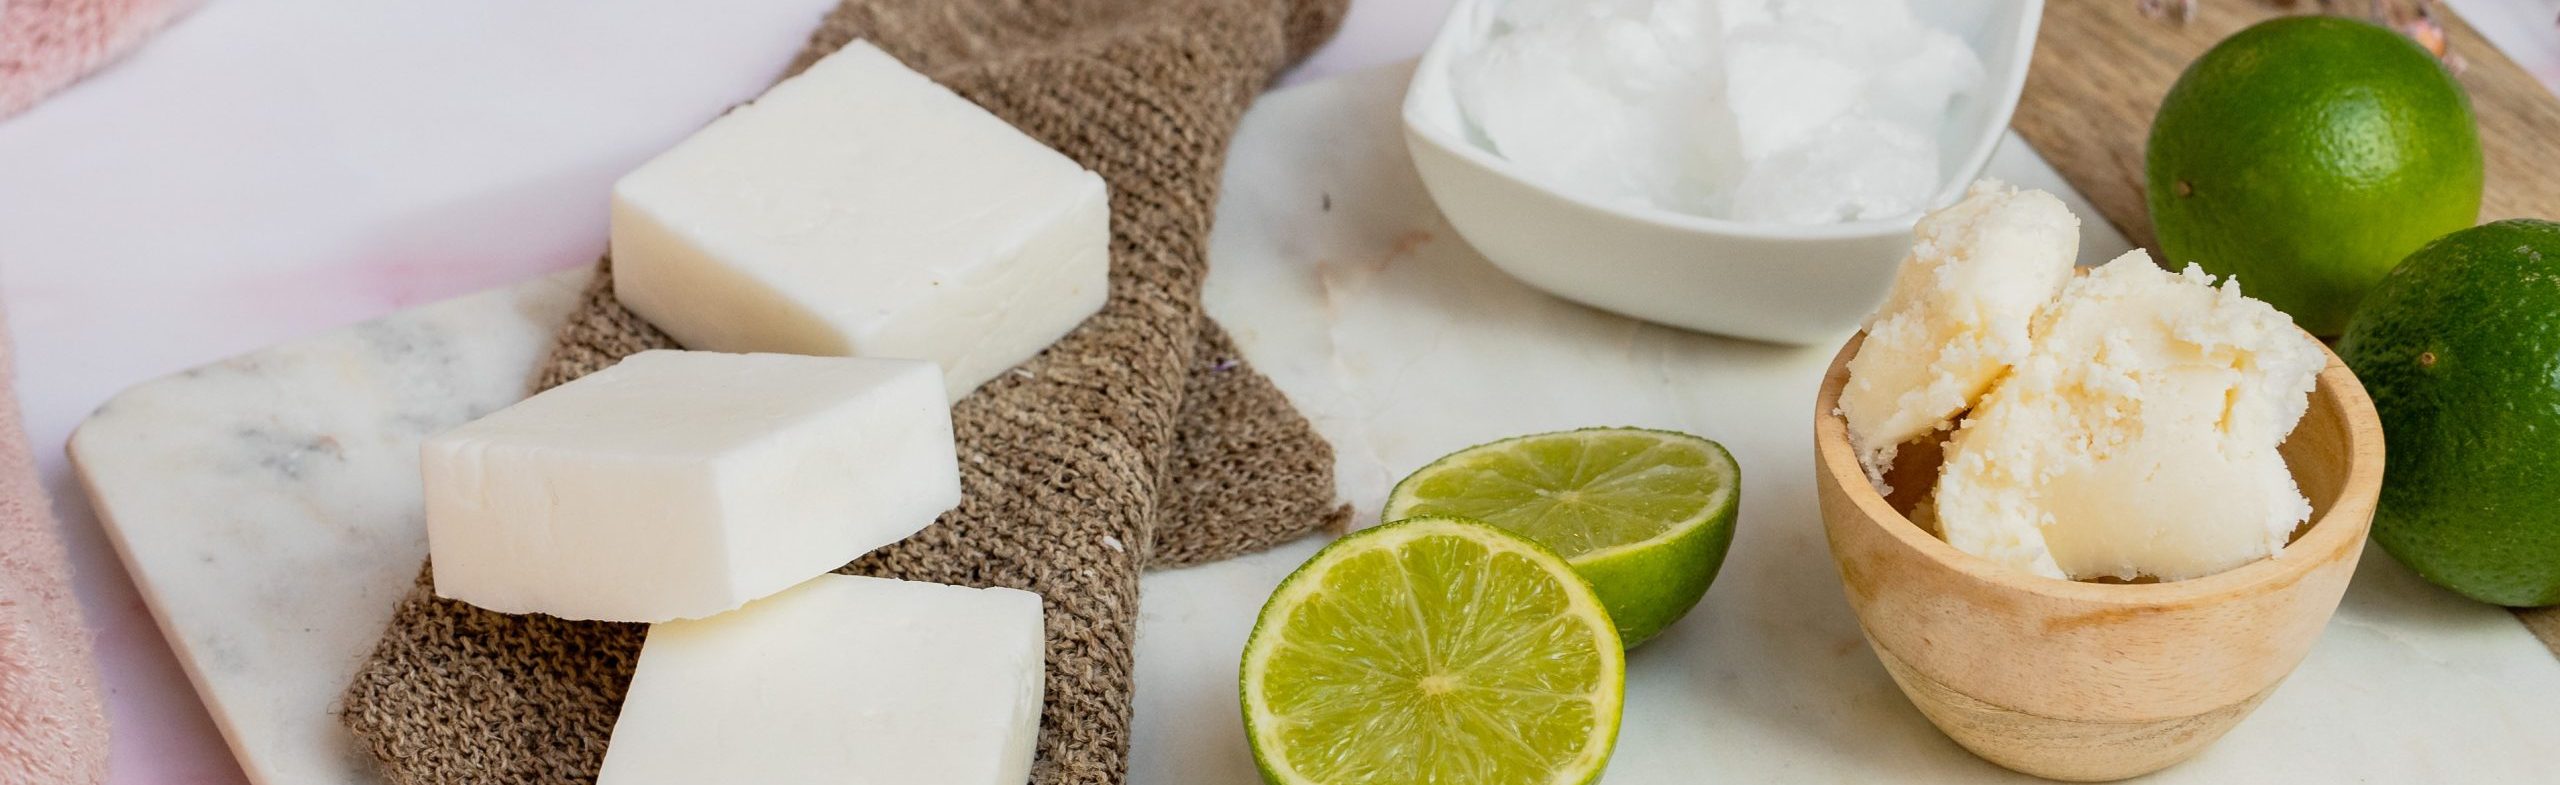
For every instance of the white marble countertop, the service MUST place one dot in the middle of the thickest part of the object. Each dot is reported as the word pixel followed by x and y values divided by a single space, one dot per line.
pixel 270 168
pixel 268 505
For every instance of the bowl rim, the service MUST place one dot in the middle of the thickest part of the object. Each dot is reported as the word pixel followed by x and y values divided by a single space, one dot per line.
pixel 2338 532
pixel 2009 78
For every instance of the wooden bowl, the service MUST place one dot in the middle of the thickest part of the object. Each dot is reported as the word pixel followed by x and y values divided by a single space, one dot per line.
pixel 2090 681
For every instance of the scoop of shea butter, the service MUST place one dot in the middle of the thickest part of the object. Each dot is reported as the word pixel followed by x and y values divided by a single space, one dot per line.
pixel 1957 317
pixel 2139 438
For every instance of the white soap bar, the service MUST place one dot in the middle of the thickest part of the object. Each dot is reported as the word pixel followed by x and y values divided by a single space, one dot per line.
pixel 1957 318
pixel 677 485
pixel 842 681
pixel 2140 437
pixel 860 209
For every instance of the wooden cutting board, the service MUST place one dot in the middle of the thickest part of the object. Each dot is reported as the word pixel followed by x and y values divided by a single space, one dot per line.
pixel 2101 67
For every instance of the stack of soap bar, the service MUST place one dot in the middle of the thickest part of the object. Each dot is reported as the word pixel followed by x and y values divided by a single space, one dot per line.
pixel 841 680
pixel 2139 439
pixel 678 485
pixel 860 209
pixel 1958 316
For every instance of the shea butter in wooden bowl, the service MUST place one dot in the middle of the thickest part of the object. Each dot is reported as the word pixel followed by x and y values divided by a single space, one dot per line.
pixel 2087 681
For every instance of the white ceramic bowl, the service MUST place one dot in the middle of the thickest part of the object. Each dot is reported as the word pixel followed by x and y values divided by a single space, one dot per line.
pixel 1788 284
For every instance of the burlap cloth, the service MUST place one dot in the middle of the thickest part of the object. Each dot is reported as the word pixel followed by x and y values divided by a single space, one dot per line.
pixel 1138 440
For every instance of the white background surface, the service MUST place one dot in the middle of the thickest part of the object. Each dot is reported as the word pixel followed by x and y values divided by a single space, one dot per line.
pixel 270 168
pixel 268 505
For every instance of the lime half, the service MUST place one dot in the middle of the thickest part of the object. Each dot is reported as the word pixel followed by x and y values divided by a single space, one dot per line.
pixel 1433 650
pixel 1644 515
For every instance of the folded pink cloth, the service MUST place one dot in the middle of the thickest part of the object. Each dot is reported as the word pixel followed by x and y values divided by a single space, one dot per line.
pixel 53 730
pixel 47 44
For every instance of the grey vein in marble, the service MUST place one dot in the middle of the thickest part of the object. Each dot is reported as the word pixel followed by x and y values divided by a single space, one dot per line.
pixel 268 505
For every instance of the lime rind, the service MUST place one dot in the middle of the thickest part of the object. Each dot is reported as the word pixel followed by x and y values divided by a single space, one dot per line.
pixel 1645 515
pixel 1381 702
pixel 1499 461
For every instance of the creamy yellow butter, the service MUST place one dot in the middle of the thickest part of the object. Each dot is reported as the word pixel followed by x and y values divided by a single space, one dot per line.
pixel 1958 316
pixel 2139 437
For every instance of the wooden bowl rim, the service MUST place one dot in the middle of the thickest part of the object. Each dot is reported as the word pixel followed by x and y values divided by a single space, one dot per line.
pixel 2330 537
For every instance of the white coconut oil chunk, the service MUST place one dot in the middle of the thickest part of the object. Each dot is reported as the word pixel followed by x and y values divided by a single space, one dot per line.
pixel 1767 111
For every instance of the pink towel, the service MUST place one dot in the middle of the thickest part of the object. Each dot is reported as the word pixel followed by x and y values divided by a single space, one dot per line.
pixel 47 44
pixel 53 730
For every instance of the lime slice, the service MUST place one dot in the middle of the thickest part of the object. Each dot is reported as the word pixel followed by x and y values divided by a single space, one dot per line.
pixel 1645 516
pixel 1437 650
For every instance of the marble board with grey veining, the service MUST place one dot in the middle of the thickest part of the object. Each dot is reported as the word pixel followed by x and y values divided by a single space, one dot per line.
pixel 268 506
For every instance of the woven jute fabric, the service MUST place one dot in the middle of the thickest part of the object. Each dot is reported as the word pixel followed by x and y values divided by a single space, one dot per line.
pixel 1139 439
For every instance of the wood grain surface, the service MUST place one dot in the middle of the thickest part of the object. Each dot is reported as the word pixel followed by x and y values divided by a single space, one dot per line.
pixel 2101 67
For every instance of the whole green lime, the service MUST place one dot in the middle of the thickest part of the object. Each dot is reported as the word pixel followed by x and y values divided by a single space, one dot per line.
pixel 2306 155
pixel 2460 348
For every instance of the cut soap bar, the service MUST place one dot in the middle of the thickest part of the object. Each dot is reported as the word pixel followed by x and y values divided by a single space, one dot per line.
pixel 860 209
pixel 1958 316
pixel 2140 437
pixel 679 485
pixel 859 681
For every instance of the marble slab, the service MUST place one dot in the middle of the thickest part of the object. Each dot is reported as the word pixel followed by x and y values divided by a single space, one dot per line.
pixel 268 506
